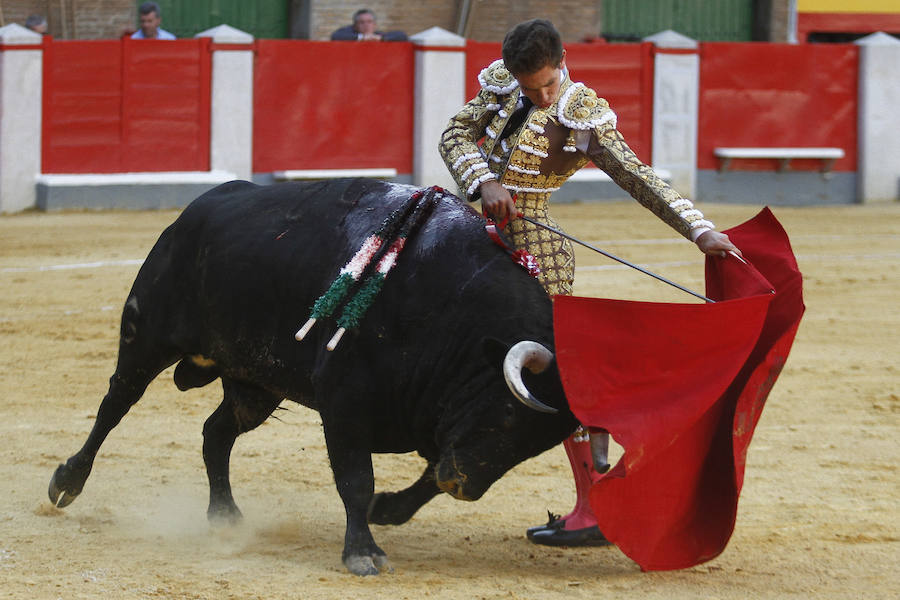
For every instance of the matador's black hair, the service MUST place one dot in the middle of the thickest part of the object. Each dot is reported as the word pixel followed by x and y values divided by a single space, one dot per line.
pixel 532 45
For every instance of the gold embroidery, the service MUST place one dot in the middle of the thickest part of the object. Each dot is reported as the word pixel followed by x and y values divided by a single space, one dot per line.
pixel 554 254
pixel 497 78
pixel 582 109
pixel 521 164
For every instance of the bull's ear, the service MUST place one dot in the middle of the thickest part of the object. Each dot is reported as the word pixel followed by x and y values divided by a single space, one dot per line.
pixel 494 352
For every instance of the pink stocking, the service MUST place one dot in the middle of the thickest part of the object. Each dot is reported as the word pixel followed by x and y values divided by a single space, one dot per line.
pixel 578 449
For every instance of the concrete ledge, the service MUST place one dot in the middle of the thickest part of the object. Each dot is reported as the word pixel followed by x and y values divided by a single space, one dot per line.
pixel 773 188
pixel 135 191
pixel 294 175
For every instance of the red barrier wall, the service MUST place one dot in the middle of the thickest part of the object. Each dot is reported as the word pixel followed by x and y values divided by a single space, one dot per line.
pixel 777 95
pixel 846 23
pixel 113 106
pixel 320 105
pixel 126 105
pixel 621 73
pixel 478 56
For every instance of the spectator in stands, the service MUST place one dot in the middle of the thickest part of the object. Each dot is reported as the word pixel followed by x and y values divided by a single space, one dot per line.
pixel 37 24
pixel 150 21
pixel 364 29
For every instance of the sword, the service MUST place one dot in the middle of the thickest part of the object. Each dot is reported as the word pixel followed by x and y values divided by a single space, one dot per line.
pixel 615 258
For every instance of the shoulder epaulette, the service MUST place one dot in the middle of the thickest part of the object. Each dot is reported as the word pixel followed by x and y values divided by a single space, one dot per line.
pixel 497 79
pixel 580 108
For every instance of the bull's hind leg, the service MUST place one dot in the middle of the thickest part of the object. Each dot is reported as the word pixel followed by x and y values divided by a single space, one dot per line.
pixel 142 356
pixel 126 387
pixel 396 508
pixel 244 407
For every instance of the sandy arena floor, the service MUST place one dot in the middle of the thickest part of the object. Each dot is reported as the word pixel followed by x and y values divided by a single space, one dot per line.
pixel 818 515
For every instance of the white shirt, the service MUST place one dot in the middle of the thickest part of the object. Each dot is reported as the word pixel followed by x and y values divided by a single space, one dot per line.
pixel 161 34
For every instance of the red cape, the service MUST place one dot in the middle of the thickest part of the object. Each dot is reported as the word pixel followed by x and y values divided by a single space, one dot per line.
pixel 681 388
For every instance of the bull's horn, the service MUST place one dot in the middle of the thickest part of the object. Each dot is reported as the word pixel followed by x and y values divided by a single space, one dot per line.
pixel 537 358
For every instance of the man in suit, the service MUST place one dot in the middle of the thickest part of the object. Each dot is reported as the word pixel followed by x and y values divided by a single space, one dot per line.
pixel 365 29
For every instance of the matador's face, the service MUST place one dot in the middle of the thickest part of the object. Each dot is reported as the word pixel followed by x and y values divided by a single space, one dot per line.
pixel 542 86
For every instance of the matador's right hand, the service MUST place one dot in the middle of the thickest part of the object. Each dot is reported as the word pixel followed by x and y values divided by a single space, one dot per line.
pixel 496 201
pixel 715 243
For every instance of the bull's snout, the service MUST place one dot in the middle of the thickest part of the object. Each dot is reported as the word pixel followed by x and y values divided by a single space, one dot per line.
pixel 452 487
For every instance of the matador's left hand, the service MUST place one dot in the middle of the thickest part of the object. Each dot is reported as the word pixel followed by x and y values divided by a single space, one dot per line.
pixel 716 243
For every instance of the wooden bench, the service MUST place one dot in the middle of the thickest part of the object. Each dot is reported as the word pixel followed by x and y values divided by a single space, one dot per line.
pixel 783 155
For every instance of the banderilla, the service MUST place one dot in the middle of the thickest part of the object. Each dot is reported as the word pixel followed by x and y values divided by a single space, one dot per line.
pixel 615 258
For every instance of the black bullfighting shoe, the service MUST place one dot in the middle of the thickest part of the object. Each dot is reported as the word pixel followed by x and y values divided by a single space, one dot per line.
pixel 553 534
pixel 553 522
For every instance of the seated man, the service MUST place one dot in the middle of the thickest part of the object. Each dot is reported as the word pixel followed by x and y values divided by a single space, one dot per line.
pixel 364 29
pixel 150 21
pixel 37 24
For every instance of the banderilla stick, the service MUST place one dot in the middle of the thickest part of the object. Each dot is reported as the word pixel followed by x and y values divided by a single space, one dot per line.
pixel 615 258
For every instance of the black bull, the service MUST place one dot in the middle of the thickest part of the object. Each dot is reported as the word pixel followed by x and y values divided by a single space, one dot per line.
pixel 229 282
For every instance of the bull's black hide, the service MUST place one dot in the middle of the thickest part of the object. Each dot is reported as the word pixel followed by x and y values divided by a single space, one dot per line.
pixel 229 282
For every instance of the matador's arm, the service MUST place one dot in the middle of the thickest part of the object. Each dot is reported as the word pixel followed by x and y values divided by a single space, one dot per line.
pixel 484 115
pixel 608 150
pixel 459 143
pixel 594 125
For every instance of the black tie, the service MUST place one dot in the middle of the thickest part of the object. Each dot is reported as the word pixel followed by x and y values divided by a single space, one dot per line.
pixel 518 116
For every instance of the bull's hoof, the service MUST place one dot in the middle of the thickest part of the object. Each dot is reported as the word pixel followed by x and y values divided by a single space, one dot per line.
pixel 64 486
pixel 224 515
pixel 384 509
pixel 368 565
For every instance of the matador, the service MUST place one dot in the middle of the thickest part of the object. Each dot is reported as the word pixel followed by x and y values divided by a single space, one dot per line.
pixel 529 128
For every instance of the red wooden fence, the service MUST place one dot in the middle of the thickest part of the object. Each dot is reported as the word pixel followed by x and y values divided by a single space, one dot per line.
pixel 623 75
pixel 113 106
pixel 320 105
pixel 845 22
pixel 778 95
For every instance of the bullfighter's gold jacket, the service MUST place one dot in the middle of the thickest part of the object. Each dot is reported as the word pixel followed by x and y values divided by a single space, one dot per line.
pixel 534 161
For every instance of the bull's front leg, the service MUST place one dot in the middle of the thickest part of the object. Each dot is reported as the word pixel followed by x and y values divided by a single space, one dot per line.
pixel 351 463
pixel 396 508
